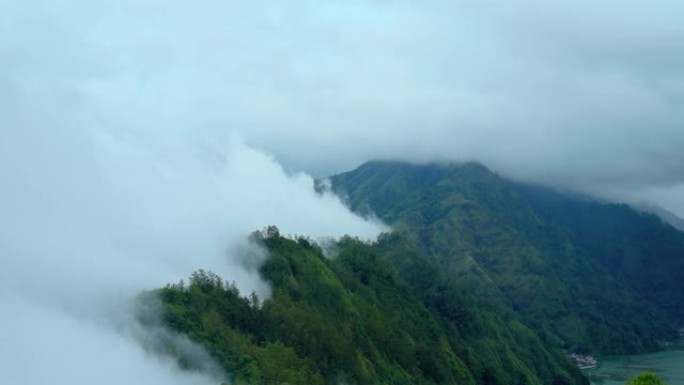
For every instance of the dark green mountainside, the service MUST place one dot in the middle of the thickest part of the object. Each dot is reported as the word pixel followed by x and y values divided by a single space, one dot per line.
pixel 584 275
pixel 374 314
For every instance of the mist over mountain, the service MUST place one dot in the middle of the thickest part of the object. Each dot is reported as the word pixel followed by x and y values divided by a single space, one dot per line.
pixel 575 94
pixel 482 280
pixel 91 219
pixel 142 140
pixel 669 217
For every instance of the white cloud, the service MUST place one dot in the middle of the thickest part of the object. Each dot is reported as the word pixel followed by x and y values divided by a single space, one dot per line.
pixel 42 345
pixel 569 91
pixel 97 206
pixel 91 217
pixel 140 140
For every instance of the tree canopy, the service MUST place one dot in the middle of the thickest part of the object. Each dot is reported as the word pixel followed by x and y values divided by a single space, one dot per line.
pixel 357 319
pixel 588 275
pixel 646 378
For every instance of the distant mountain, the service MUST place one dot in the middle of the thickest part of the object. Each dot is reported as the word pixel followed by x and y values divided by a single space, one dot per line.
pixel 673 219
pixel 585 275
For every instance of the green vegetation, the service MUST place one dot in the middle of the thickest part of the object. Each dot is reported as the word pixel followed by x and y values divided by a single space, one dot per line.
pixel 358 319
pixel 586 276
pixel 482 281
pixel 637 248
pixel 646 378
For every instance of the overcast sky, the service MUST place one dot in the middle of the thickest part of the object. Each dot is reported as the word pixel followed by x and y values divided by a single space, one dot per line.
pixel 142 139
pixel 581 93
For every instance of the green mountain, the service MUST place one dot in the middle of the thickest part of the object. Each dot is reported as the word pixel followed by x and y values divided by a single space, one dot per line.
pixel 376 313
pixel 481 281
pixel 585 275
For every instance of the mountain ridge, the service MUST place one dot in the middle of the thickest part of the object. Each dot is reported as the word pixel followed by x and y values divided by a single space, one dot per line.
pixel 358 318
pixel 481 281
pixel 558 283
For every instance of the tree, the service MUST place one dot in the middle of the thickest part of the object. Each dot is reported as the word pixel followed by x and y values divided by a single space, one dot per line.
pixel 646 378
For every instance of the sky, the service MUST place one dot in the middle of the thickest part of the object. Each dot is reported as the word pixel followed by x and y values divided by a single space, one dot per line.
pixel 143 139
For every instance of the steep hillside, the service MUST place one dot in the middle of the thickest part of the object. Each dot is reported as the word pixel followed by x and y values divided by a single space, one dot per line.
pixel 356 319
pixel 638 248
pixel 585 275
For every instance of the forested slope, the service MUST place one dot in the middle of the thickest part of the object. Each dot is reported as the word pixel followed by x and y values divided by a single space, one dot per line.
pixel 481 281
pixel 357 319
pixel 588 276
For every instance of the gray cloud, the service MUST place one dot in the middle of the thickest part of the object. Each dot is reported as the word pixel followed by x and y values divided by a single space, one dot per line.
pixel 572 92
pixel 140 140
pixel 578 93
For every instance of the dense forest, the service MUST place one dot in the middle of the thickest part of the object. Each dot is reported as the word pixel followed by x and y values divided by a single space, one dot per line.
pixel 374 314
pixel 481 281
pixel 588 275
